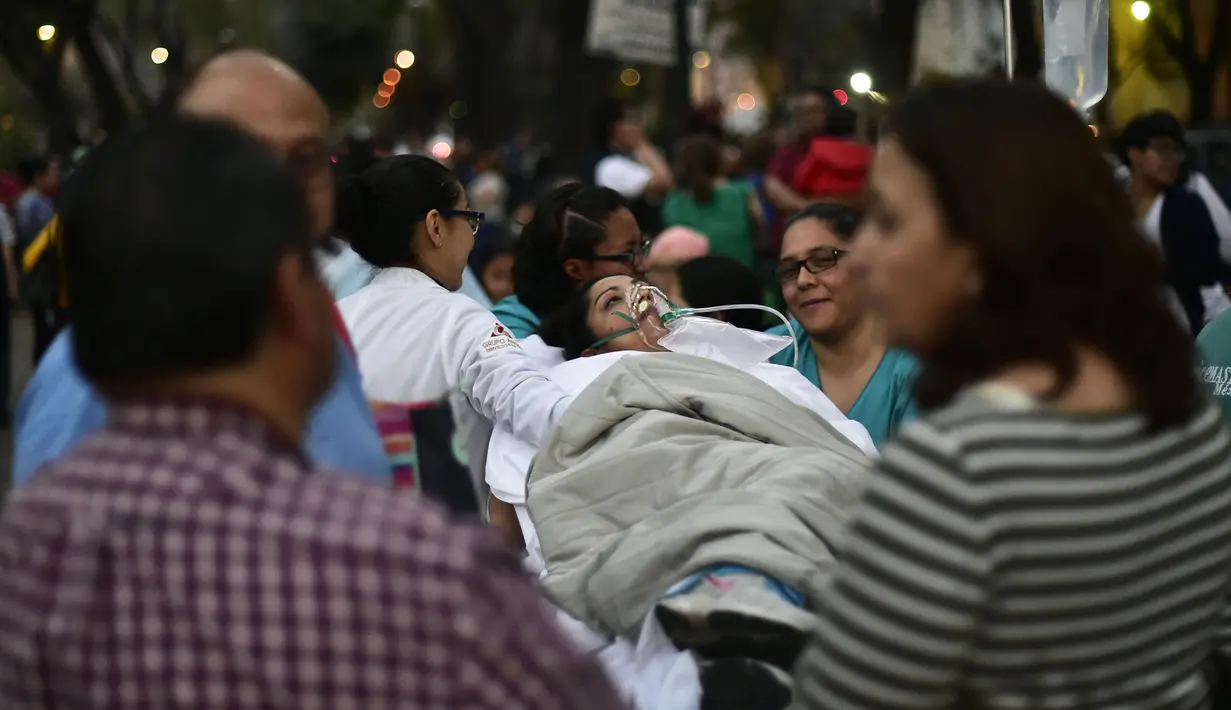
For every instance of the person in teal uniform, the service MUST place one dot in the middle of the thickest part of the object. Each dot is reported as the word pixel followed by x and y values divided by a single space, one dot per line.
pixel 842 348
pixel 1214 347
pixel 578 233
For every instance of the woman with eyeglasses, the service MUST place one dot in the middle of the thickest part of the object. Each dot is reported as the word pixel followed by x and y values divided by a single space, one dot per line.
pixel 842 348
pixel 416 338
pixel 579 233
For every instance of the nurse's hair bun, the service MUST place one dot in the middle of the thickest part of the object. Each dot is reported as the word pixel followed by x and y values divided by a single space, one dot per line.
pixel 379 211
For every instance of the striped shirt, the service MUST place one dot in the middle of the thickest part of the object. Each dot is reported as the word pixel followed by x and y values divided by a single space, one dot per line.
pixel 1007 555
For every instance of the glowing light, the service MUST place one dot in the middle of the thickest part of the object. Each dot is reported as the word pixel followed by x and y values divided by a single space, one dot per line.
pixel 459 109
pixel 1094 130
pixel 380 101
pixel 841 96
pixel 392 77
pixel 630 77
pixel 385 90
pixel 701 59
pixel 1141 9
pixel 46 32
pixel 861 82
pixel 159 55
pixel 747 102
pixel 405 59
pixel 442 150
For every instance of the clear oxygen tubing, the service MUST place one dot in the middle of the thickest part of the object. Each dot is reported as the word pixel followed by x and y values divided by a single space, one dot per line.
pixel 677 313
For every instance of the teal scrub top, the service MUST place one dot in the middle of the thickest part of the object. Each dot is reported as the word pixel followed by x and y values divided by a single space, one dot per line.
pixel 516 317
pixel 886 400
pixel 1214 346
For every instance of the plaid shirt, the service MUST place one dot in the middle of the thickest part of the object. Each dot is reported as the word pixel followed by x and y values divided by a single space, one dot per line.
pixel 187 558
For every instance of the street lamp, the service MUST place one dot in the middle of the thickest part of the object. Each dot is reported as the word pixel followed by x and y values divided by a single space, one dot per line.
pixel 159 55
pixel 1141 10
pixel 46 32
pixel 405 59
pixel 861 82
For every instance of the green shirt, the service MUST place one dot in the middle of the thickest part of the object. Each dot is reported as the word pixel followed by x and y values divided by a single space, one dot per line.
pixel 726 220
pixel 886 399
pixel 1214 349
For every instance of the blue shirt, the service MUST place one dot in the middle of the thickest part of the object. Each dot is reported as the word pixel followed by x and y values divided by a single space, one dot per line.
pixel 885 401
pixel 58 408
pixel 516 317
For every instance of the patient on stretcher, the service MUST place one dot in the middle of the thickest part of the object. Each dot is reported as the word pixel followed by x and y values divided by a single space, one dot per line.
pixel 724 610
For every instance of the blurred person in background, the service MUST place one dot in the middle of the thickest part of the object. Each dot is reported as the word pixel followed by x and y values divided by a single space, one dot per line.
pixel 32 213
pixel 807 111
pixel 493 263
pixel 670 250
pixel 1177 218
pixel 1055 529
pixel 488 190
pixel 711 281
pixel 8 297
pixel 843 348
pixel 268 99
pixel 726 212
pixel 578 234
pixel 629 164
pixel 195 516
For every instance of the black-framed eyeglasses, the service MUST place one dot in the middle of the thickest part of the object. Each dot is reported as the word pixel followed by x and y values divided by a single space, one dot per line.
pixel 819 260
pixel 474 218
pixel 638 255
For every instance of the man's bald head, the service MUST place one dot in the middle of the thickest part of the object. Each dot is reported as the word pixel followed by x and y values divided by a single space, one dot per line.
pixel 268 99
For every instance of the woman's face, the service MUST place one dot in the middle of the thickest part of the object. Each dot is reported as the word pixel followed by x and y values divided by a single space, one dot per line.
pixel 608 299
pixel 916 275
pixel 621 253
pixel 825 303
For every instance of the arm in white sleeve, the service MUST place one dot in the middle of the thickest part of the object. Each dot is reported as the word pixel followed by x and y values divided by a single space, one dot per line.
pixel 500 380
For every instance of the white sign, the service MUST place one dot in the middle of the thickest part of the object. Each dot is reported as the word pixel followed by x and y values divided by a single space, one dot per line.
pixel 642 30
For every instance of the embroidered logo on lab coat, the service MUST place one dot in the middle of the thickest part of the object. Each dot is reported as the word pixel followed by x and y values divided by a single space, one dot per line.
pixel 500 339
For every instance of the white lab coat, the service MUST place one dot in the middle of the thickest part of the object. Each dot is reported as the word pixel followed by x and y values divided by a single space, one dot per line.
pixel 418 342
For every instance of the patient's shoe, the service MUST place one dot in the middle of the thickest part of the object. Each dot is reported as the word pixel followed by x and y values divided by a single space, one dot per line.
pixel 744 684
pixel 736 612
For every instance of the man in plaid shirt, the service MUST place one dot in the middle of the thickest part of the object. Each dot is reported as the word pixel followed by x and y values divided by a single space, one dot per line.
pixel 188 555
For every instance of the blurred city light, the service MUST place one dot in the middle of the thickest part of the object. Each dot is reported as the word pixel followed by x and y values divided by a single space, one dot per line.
pixel 861 82
pixel 442 150
pixel 392 77
pixel 1141 9
pixel 46 32
pixel 405 59
pixel 459 109
pixel 384 90
pixel 841 96
pixel 701 59
pixel 630 77
pixel 747 102
pixel 159 55
pixel 380 101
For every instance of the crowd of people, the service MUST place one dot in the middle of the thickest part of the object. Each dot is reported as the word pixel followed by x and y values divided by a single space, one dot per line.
pixel 364 428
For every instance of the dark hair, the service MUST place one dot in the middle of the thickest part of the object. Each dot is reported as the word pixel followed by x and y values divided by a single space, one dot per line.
pixel 700 164
pixel 1061 261
pixel 722 281
pixel 172 236
pixel 29 169
pixel 568 224
pixel 568 327
pixel 841 220
pixel 379 209
pixel 1145 128
pixel 498 244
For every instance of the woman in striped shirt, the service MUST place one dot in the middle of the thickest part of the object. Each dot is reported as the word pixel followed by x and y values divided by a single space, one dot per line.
pixel 1055 532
